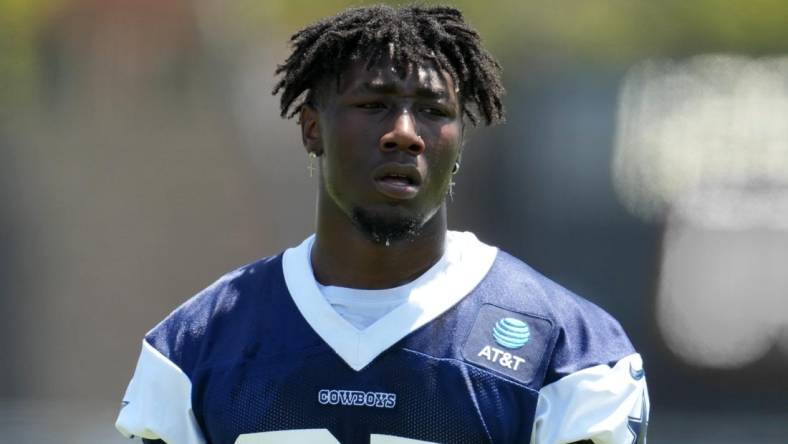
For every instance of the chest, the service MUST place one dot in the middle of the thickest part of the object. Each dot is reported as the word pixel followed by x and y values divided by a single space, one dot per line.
pixel 313 396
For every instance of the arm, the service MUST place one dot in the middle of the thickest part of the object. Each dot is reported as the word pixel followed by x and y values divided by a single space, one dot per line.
pixel 599 405
pixel 157 403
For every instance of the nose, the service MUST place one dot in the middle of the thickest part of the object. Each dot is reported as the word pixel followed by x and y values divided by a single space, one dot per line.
pixel 403 136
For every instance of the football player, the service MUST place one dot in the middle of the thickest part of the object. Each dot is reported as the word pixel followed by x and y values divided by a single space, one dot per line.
pixel 384 327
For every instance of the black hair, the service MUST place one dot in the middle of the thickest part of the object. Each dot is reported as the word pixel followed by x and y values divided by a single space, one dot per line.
pixel 409 35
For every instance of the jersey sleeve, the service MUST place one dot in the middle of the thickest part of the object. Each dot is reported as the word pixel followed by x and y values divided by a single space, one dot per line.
pixel 601 404
pixel 595 386
pixel 157 403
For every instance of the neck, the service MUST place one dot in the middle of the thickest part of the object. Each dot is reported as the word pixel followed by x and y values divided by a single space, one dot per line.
pixel 344 256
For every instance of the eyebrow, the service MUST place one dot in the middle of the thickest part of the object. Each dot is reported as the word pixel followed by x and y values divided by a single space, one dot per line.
pixel 392 88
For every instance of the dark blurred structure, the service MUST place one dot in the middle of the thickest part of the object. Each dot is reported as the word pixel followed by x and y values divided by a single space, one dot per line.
pixel 142 156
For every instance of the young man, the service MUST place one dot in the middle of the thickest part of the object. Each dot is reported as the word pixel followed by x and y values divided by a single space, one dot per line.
pixel 384 327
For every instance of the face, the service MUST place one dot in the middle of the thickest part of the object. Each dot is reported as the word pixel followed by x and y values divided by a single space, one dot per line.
pixel 388 145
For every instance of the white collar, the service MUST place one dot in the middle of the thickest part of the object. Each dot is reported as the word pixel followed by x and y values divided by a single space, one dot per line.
pixel 468 259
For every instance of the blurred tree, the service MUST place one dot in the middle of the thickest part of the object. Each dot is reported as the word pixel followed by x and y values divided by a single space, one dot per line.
pixel 607 31
pixel 20 21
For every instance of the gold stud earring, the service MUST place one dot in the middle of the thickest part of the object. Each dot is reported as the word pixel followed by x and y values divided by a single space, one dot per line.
pixel 311 167
pixel 454 170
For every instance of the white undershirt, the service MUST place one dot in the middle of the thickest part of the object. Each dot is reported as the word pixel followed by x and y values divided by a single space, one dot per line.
pixel 362 307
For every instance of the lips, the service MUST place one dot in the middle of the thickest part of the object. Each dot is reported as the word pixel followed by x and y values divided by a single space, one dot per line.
pixel 397 181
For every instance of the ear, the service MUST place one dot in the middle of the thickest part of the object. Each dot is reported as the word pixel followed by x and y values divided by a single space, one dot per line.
pixel 310 129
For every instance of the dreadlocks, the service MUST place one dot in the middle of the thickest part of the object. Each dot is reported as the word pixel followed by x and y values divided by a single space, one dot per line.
pixel 410 35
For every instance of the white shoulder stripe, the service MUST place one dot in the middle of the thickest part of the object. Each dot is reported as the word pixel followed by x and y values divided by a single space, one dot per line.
pixel 158 403
pixel 600 403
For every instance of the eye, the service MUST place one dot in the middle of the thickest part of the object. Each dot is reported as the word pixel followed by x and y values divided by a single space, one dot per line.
pixel 371 105
pixel 435 111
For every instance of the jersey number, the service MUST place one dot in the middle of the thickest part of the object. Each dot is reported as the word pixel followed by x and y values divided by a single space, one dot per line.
pixel 314 436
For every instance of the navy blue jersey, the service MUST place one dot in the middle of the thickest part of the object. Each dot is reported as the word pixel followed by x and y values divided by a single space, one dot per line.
pixel 488 352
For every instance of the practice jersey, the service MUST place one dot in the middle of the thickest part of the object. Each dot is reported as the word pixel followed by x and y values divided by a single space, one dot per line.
pixel 488 351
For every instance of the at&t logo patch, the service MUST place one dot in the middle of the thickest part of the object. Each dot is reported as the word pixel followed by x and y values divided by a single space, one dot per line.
pixel 511 333
pixel 511 343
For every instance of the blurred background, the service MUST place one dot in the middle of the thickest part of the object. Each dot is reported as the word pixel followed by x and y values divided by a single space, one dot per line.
pixel 644 165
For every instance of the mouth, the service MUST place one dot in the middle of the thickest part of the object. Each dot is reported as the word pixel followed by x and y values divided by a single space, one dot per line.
pixel 397 181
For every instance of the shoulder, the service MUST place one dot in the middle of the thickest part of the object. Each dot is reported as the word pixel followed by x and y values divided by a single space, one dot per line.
pixel 593 386
pixel 162 379
pixel 179 337
pixel 582 333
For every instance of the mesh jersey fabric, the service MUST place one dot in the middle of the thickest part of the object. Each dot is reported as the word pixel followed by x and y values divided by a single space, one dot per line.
pixel 256 365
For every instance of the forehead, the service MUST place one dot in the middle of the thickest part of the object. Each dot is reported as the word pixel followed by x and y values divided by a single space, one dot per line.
pixel 385 77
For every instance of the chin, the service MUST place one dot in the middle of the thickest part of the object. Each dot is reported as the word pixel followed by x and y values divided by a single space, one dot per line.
pixel 384 226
